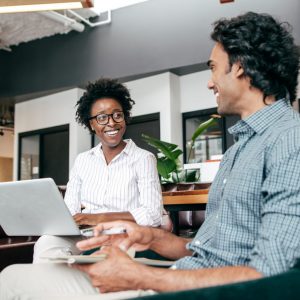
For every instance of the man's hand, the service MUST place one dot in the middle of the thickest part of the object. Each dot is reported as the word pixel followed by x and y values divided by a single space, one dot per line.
pixel 137 237
pixel 118 272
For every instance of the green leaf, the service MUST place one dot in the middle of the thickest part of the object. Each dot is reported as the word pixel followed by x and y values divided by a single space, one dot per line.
pixel 165 167
pixel 163 147
pixel 202 127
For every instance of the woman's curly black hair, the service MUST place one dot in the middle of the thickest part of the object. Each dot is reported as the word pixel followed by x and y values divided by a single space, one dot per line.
pixel 102 88
pixel 266 50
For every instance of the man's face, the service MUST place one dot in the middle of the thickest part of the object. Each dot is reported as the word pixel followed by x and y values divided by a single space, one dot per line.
pixel 223 81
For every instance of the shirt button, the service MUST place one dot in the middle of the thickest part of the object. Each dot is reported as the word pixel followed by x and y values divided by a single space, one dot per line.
pixel 217 217
pixel 197 243
pixel 224 181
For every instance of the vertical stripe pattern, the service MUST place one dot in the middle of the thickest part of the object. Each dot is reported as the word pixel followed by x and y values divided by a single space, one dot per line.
pixel 128 183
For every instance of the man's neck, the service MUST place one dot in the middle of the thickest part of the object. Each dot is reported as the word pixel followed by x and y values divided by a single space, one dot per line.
pixel 254 101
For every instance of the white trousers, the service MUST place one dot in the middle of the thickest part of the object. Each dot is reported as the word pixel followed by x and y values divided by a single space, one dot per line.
pixel 48 245
pixel 53 281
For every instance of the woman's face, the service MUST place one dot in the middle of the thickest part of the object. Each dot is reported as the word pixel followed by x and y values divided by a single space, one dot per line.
pixel 110 134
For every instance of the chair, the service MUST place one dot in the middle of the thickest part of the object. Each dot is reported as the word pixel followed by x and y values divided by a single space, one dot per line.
pixel 278 287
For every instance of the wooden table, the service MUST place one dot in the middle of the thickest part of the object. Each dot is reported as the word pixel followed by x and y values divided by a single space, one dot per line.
pixel 182 201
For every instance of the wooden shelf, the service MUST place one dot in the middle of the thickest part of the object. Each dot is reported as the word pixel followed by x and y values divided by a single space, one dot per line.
pixel 185 197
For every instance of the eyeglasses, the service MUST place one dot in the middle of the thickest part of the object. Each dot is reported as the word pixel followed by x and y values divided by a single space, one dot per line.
pixel 103 119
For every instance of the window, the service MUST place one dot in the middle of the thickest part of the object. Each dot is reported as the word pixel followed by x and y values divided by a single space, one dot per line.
pixel 214 141
pixel 44 153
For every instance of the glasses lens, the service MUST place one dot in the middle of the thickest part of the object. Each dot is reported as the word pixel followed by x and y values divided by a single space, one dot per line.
pixel 118 116
pixel 102 119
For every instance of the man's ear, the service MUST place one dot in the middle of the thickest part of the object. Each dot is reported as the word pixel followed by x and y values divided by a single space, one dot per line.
pixel 238 69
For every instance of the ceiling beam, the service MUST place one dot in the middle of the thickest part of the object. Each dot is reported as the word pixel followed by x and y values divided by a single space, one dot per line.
pixel 13 6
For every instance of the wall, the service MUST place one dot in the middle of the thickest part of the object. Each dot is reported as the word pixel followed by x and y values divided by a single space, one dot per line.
pixel 6 156
pixel 166 93
pixel 57 109
pixel 7 144
pixel 159 94
pixel 194 93
pixel 6 168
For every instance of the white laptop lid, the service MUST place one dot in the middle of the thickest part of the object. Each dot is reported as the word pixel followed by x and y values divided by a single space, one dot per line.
pixel 34 207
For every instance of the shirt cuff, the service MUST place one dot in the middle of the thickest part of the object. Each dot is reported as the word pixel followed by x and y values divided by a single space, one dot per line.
pixel 143 217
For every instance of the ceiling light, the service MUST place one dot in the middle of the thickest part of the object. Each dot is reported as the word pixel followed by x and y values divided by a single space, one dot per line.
pixel 13 6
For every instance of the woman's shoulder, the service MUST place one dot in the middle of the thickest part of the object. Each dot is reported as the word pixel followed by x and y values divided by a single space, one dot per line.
pixel 86 154
pixel 138 151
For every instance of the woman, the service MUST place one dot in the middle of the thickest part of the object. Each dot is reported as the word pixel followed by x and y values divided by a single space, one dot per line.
pixel 114 180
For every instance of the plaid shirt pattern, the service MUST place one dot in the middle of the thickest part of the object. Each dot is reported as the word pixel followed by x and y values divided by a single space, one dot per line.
pixel 253 212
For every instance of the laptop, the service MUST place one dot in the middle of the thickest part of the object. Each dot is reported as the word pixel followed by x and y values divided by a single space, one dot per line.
pixel 33 208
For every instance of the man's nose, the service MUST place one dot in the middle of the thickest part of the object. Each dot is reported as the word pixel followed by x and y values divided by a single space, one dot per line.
pixel 210 84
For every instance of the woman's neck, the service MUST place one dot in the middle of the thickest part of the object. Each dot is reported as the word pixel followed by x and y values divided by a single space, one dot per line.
pixel 111 152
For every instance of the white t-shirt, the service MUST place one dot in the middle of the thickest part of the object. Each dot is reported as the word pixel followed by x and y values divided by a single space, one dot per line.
pixel 128 183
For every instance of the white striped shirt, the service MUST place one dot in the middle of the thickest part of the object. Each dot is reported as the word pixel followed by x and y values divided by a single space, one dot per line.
pixel 128 183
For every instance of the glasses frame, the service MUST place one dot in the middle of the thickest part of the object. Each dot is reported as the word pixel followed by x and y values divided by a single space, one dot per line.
pixel 108 116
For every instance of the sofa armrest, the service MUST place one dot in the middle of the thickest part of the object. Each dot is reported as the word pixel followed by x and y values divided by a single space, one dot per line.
pixel 278 287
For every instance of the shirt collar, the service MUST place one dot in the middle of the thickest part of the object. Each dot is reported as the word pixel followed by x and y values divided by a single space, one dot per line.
pixel 129 148
pixel 262 119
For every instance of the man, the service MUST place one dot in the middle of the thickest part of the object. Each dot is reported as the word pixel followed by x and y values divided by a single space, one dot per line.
pixel 253 215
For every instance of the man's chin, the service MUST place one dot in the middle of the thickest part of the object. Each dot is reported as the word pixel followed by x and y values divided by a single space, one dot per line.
pixel 225 113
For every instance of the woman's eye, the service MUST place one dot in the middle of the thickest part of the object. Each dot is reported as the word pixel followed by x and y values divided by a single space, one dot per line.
pixel 102 117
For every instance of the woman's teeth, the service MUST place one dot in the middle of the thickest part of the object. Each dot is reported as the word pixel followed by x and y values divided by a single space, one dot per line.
pixel 112 133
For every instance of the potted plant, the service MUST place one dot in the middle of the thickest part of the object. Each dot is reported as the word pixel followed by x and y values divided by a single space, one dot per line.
pixel 169 166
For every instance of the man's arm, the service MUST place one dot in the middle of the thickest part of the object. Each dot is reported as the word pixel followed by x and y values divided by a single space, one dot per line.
pixel 118 272
pixel 162 280
pixel 140 238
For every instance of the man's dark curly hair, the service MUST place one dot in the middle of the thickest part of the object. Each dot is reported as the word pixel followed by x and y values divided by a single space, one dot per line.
pixel 265 49
pixel 102 88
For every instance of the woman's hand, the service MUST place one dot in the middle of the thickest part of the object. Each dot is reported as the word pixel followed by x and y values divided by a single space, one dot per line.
pixel 94 219
pixel 137 237
pixel 87 219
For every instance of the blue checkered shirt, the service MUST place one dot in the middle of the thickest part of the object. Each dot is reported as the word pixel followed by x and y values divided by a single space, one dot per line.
pixel 253 212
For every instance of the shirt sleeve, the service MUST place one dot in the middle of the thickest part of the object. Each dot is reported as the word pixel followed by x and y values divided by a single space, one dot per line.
pixel 149 213
pixel 278 245
pixel 72 196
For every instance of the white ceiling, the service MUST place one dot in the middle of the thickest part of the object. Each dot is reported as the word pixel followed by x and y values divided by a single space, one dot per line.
pixel 24 27
pixel 18 28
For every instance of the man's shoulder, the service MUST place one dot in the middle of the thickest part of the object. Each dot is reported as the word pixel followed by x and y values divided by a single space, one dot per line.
pixel 284 137
pixel 288 124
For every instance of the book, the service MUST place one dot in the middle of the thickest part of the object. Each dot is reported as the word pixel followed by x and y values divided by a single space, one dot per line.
pixel 89 259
